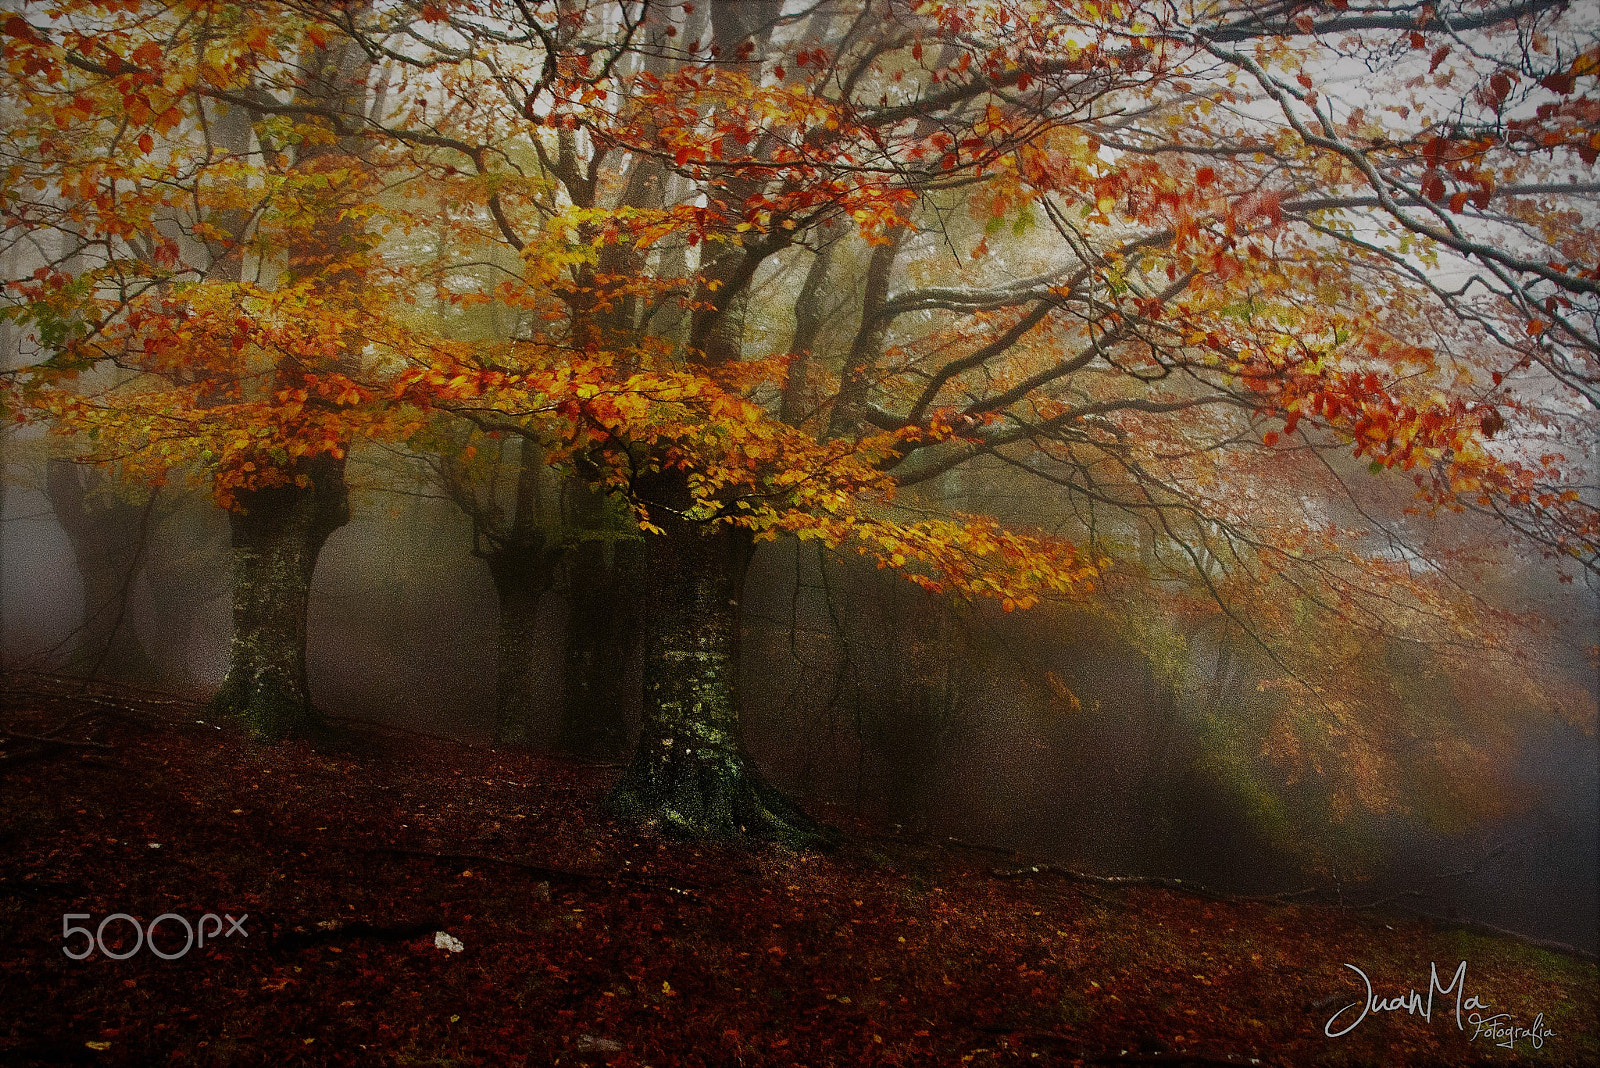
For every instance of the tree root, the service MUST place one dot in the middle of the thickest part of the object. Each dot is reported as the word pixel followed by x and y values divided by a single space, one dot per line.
pixel 716 796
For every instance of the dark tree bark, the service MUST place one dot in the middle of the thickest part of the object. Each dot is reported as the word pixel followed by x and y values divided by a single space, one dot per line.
pixel 188 569
pixel 522 553
pixel 523 572
pixel 109 542
pixel 277 535
pixel 603 619
pixel 810 316
pixel 602 642
pixel 690 774
pixel 861 364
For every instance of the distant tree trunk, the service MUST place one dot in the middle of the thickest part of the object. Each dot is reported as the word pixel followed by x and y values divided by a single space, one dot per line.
pixel 522 574
pixel 602 641
pixel 189 570
pixel 690 774
pixel 522 561
pixel 810 316
pixel 109 542
pixel 277 534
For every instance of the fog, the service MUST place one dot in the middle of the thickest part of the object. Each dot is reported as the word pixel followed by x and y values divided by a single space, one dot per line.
pixel 1044 732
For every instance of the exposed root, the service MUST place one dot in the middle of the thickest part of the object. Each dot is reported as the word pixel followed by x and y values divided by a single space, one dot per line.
pixel 711 794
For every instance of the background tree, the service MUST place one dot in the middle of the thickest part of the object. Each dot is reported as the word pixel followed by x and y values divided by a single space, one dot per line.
pixel 110 542
pixel 214 299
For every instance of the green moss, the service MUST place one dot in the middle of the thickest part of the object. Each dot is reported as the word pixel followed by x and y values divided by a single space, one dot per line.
pixel 267 702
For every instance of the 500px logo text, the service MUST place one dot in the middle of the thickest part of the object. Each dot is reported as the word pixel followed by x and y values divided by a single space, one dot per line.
pixel 146 936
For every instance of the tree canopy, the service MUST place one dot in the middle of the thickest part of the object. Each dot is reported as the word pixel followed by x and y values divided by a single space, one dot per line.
pixel 1236 299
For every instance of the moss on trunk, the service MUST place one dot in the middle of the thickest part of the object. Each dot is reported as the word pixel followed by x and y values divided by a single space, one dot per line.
pixel 690 774
pixel 277 535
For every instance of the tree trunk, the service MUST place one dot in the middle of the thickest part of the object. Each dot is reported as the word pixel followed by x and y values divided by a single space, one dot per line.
pixel 856 378
pixel 602 640
pixel 690 774
pixel 277 534
pixel 522 574
pixel 189 569
pixel 810 316
pixel 109 542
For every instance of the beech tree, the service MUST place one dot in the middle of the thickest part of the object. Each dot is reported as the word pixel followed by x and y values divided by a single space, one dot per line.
pixel 204 273
pixel 1211 282
pixel 110 538
pixel 815 271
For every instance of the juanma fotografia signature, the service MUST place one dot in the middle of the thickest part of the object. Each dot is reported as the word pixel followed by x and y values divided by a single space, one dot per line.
pixel 1498 1028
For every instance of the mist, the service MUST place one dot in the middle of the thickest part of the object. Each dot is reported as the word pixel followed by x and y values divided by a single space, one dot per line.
pixel 1045 733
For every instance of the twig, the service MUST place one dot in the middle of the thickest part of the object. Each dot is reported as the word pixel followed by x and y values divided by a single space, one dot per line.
pixel 956 843
pixel 1443 877
pixel 1103 902
pixel 1159 881
pixel 44 739
pixel 119 707
pixel 80 686
pixel 391 728
pixel 1479 927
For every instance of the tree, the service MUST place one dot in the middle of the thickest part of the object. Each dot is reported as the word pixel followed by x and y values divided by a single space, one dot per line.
pixel 110 539
pixel 1199 296
pixel 1217 268
pixel 213 294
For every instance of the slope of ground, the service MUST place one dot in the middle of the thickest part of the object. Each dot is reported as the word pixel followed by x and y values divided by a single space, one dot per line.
pixel 585 942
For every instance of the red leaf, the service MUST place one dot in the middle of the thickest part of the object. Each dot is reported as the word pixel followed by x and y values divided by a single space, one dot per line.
pixel 1559 83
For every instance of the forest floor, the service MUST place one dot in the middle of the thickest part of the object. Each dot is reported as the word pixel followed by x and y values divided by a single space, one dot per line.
pixel 586 942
